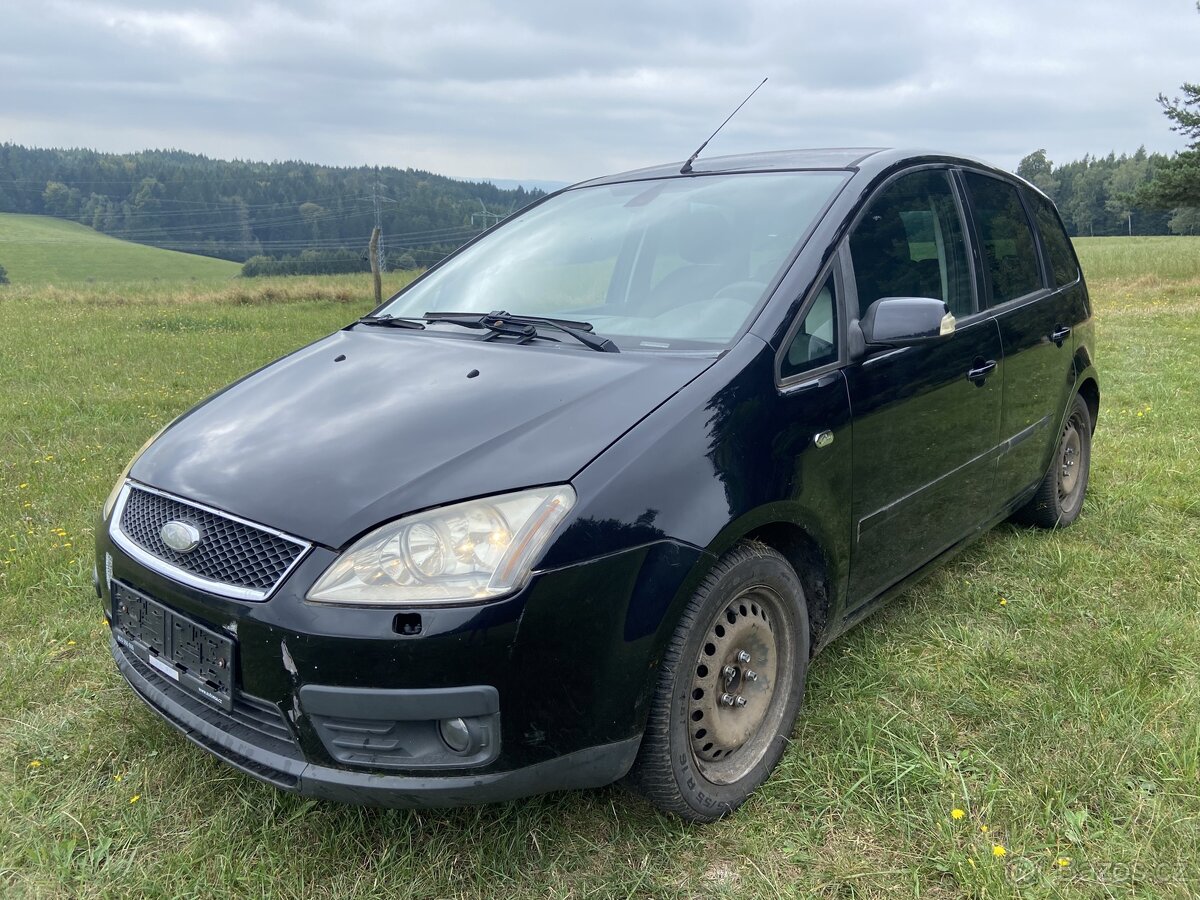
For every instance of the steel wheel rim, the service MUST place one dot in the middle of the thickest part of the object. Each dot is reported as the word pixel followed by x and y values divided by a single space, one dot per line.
pixel 735 696
pixel 1070 461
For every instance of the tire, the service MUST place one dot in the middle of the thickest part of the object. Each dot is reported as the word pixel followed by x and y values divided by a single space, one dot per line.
pixel 1059 497
pixel 719 721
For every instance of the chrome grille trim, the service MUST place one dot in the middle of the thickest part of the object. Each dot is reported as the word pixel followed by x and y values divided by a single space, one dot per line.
pixel 181 575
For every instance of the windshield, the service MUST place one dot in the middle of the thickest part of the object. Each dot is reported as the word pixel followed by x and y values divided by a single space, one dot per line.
pixel 667 264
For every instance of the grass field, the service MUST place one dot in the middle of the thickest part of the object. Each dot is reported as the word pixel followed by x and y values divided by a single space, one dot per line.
pixel 40 250
pixel 1046 685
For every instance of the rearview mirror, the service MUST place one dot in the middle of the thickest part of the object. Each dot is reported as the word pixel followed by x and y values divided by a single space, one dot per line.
pixel 903 321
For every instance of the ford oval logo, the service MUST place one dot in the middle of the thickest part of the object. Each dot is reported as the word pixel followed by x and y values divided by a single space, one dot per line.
pixel 182 537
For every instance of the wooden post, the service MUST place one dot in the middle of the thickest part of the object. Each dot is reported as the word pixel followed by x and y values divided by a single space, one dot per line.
pixel 375 265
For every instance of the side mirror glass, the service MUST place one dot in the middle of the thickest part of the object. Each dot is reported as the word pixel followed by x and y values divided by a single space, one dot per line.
pixel 904 321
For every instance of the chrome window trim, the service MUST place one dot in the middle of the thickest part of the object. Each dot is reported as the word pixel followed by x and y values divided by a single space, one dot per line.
pixel 162 567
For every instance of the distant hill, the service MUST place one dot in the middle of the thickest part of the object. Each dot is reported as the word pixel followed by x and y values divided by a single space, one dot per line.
pixel 43 250
pixel 235 209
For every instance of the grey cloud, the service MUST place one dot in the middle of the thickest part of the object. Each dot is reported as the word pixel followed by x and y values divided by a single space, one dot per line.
pixel 542 89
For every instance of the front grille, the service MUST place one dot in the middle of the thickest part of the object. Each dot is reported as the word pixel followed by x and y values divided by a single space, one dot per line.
pixel 230 551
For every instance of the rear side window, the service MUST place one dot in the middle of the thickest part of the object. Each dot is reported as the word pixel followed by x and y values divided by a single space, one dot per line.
pixel 1064 267
pixel 909 243
pixel 1009 250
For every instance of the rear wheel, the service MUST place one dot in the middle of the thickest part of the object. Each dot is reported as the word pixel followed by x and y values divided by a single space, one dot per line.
pixel 1059 497
pixel 729 688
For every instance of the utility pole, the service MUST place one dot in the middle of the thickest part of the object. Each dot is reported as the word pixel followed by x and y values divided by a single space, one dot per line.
pixel 379 221
pixel 488 218
pixel 374 247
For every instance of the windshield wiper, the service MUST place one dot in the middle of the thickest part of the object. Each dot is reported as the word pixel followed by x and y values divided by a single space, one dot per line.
pixel 524 328
pixel 392 321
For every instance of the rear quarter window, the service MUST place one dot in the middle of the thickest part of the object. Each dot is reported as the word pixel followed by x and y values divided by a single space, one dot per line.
pixel 1064 266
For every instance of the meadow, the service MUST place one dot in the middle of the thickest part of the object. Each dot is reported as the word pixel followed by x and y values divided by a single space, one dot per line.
pixel 41 250
pixel 1024 722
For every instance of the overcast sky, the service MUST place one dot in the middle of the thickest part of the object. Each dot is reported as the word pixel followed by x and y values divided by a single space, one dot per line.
pixel 547 89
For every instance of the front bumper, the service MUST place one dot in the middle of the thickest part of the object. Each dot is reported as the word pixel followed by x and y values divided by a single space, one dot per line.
pixel 247 745
pixel 571 662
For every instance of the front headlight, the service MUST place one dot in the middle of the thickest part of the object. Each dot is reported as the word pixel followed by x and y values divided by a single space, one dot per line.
pixel 468 552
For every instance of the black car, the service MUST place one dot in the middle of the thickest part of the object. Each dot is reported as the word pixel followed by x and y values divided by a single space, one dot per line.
pixel 580 503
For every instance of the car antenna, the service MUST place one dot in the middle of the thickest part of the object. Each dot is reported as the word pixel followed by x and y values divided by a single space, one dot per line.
pixel 687 166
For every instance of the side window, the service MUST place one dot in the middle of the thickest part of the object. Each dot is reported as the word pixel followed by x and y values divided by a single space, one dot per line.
pixel 1008 247
pixel 1064 268
pixel 815 344
pixel 909 243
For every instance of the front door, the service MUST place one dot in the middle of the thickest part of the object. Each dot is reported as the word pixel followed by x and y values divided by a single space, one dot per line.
pixel 926 418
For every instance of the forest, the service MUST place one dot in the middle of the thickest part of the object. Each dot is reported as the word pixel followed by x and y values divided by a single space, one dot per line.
pixel 1106 195
pixel 294 217
pixel 239 209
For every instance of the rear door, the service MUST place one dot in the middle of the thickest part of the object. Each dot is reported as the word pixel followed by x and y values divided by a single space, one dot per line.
pixel 926 419
pixel 1034 307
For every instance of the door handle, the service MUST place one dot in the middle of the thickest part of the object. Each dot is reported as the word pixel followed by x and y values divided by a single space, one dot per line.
pixel 1060 334
pixel 981 371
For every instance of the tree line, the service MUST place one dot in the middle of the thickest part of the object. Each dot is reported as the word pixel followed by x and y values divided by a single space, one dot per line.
pixel 237 209
pixel 1106 195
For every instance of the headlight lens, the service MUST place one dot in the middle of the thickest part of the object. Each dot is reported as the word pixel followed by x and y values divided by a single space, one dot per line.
pixel 468 552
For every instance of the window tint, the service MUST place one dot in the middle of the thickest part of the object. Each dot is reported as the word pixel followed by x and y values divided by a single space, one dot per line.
pixel 1063 266
pixel 910 244
pixel 815 344
pixel 1008 247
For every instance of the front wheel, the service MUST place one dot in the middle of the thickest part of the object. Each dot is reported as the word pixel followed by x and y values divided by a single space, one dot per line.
pixel 1059 497
pixel 729 689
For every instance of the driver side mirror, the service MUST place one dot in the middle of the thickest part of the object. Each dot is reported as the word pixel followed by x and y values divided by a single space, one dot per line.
pixel 904 321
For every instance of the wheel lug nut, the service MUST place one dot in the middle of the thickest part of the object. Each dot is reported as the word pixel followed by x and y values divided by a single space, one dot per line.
pixel 729 672
pixel 751 675
pixel 739 701
pixel 728 699
pixel 743 656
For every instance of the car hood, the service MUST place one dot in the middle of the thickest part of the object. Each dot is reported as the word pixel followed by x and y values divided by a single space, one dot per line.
pixel 367 425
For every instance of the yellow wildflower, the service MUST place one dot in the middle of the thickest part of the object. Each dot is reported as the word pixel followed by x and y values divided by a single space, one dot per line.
pixel 1063 861
pixel 999 851
pixel 1003 601
pixel 983 829
pixel 957 813
pixel 70 643
pixel 35 763
pixel 23 485
pixel 135 798
pixel 118 777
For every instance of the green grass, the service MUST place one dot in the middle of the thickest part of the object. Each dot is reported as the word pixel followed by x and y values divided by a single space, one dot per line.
pixel 1065 719
pixel 1160 257
pixel 41 250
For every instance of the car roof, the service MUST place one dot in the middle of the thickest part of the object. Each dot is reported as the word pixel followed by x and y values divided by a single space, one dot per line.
pixel 871 160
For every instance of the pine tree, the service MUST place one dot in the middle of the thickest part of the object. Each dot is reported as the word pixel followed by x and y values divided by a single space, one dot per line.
pixel 1177 184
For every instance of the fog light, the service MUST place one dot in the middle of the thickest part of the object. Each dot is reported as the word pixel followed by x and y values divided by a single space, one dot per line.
pixel 456 734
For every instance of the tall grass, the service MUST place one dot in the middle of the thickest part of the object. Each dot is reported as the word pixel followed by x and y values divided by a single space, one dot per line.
pixel 1045 685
